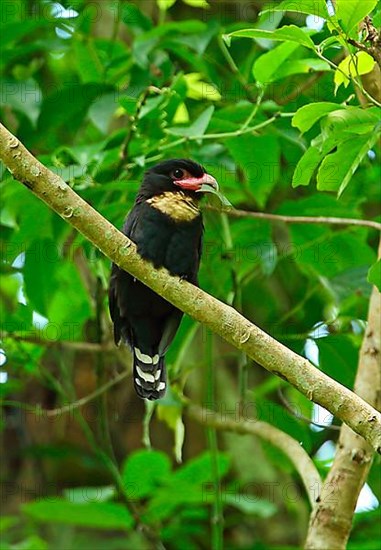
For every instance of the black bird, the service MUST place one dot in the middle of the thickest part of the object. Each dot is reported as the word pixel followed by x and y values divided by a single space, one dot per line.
pixel 166 225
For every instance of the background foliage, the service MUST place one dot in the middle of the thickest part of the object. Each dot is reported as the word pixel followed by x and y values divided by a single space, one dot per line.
pixel 99 91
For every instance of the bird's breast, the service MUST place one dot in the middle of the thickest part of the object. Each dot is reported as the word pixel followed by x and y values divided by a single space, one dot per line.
pixel 176 205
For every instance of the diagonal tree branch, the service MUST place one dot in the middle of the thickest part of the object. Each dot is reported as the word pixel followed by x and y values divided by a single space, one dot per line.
pixel 330 524
pixel 220 318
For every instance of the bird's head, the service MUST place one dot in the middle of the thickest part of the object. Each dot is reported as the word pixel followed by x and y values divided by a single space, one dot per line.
pixel 176 175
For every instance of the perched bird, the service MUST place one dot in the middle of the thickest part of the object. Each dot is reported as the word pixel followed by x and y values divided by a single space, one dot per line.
pixel 166 225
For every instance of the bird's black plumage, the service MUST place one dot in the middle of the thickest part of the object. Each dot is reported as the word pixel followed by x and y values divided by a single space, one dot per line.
pixel 166 225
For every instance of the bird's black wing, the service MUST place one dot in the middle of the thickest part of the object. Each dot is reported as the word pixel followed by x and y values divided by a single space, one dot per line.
pixel 119 276
pixel 173 321
pixel 194 280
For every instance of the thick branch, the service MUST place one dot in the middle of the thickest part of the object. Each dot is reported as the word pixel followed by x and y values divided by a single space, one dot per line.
pixel 330 524
pixel 287 444
pixel 220 318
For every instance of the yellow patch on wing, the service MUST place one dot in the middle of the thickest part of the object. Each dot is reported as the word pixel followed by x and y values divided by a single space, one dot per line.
pixel 178 206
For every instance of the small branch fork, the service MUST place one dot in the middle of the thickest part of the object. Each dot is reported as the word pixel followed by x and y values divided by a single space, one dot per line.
pixel 372 36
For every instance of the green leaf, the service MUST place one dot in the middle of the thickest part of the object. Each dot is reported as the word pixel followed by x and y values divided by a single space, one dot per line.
pixel 9 290
pixel 198 89
pixel 13 95
pixel 352 66
pixel 100 515
pixel 14 31
pixel 272 412
pixel 258 157
pixel 338 358
pixel 311 7
pixel 376 17
pixel 26 209
pixel 306 116
pixel 352 283
pixel 374 479
pixel 300 66
pixel 40 277
pixel 129 104
pixel 59 123
pixel 102 112
pixel 199 470
pixel 306 166
pixel 198 128
pixel 338 168
pixel 132 17
pixel 267 65
pixel 366 533
pixel 222 202
pixel 80 495
pixel 322 253
pixel 350 120
pixel 144 471
pixel 287 33
pixel 374 275
pixel 89 66
pixel 165 4
pixel 66 278
pixel 317 203
pixel 189 26
pixel 33 542
pixel 350 12
pixel 186 486
pixel 181 115
pixel 197 3
pixel 150 105
pixel 6 522
pixel 256 507
pixel 172 416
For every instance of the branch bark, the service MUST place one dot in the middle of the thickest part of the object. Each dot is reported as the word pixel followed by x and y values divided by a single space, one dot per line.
pixel 220 318
pixel 330 524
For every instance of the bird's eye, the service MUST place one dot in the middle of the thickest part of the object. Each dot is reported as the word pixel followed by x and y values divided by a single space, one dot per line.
pixel 178 174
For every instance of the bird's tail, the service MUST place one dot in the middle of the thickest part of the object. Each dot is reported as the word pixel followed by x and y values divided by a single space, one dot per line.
pixel 150 378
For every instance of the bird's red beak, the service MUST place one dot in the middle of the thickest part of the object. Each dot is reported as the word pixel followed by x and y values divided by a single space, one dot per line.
pixel 197 184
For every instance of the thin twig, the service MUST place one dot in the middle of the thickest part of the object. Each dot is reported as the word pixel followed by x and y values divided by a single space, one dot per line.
pixel 329 220
pixel 75 346
pixel 70 407
pixel 303 418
